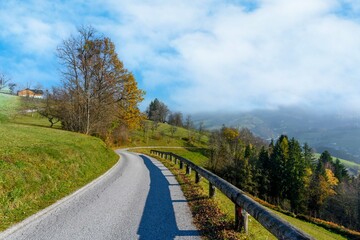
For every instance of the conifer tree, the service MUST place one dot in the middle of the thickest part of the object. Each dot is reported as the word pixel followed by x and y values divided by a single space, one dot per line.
pixel 295 177
pixel 279 158
pixel 262 173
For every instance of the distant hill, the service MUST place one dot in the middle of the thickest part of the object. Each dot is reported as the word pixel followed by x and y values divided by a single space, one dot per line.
pixel 338 134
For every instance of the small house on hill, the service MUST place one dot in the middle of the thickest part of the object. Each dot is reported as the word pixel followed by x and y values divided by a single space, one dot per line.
pixel 31 93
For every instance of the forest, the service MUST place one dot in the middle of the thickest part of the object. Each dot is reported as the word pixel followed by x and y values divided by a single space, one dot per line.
pixel 287 175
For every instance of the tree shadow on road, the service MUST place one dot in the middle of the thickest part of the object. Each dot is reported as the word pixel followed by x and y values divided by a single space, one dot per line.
pixel 158 220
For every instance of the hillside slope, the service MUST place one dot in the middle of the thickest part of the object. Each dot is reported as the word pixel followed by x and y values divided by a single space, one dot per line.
pixel 8 105
pixel 39 165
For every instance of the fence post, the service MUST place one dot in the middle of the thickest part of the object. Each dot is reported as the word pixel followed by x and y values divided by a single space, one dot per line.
pixel 197 177
pixel 188 170
pixel 241 219
pixel 211 190
pixel 181 164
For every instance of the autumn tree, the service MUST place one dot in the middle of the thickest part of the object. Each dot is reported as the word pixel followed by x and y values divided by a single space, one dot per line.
pixel 98 94
pixel 323 184
pixel 221 154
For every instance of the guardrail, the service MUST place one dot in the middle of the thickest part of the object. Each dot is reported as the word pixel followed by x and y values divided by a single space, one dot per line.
pixel 244 205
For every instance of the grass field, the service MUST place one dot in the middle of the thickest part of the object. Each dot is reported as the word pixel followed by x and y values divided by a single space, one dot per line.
pixel 162 136
pixel 8 105
pixel 353 168
pixel 40 165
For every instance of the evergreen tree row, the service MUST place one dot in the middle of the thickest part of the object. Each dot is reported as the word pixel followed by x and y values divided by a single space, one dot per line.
pixel 286 174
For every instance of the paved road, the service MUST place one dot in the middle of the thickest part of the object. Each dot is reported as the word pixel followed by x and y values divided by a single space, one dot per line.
pixel 138 199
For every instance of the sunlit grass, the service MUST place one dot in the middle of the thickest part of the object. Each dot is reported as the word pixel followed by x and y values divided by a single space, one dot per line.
pixel 40 165
pixel 162 136
pixel 8 106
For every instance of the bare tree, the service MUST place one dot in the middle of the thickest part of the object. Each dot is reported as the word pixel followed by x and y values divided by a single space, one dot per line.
pixel 201 130
pixel 4 80
pixel 6 83
pixel 176 119
pixel 48 108
pixel 98 93
pixel 157 111
pixel 173 129
pixel 189 123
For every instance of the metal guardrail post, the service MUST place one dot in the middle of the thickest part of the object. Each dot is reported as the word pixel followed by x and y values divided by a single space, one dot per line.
pixel 241 219
pixel 211 190
pixel 274 224
pixel 197 177
pixel 188 170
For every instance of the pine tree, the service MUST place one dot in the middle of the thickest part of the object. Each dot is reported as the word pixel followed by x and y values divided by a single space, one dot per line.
pixel 279 158
pixel 295 177
pixel 262 173
pixel 340 171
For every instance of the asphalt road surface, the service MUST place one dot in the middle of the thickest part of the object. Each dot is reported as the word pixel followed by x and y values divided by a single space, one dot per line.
pixel 137 199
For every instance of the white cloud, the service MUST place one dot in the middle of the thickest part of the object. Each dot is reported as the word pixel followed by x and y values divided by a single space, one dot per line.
pixel 211 55
pixel 282 53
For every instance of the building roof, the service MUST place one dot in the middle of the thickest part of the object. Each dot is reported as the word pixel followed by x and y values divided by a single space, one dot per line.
pixel 35 91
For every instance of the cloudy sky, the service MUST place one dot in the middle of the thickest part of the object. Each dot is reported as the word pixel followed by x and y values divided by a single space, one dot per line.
pixel 202 55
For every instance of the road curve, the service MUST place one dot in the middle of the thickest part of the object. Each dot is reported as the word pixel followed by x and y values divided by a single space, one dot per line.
pixel 137 199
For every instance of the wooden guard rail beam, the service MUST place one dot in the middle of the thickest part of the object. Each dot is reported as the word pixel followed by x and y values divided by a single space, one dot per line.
pixel 243 204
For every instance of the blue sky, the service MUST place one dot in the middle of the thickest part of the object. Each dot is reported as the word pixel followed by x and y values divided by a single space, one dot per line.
pixel 197 56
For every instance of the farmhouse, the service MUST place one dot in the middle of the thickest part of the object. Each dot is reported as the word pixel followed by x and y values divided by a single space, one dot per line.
pixel 31 93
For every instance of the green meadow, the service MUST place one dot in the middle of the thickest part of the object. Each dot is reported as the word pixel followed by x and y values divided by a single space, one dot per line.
pixel 40 165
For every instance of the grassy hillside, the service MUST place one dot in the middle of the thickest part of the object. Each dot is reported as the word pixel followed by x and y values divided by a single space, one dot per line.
pixel 8 104
pixel 162 136
pixel 352 167
pixel 39 165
